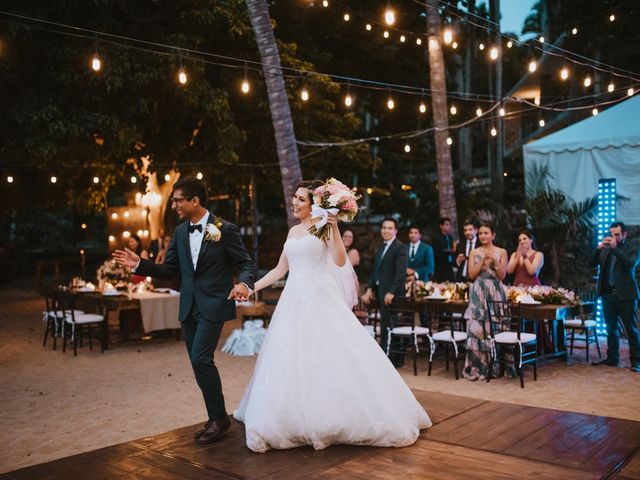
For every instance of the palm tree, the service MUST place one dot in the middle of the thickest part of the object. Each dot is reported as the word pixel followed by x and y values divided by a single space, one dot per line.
pixel 290 170
pixel 446 192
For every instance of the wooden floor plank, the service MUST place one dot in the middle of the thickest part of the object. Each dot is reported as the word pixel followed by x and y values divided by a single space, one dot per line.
pixel 630 471
pixel 442 407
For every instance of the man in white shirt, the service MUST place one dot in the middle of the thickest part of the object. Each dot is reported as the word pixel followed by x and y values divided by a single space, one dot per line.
pixel 470 241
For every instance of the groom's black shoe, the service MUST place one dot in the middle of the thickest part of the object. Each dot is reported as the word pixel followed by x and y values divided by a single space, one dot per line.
pixel 202 430
pixel 605 361
pixel 215 430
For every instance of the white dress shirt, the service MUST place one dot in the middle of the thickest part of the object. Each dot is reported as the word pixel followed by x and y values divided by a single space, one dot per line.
pixel 468 249
pixel 195 239
pixel 413 250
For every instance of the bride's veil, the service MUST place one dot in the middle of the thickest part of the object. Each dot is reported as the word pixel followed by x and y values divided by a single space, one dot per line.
pixel 346 280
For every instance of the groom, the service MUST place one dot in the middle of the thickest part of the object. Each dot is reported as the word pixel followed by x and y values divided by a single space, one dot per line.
pixel 203 252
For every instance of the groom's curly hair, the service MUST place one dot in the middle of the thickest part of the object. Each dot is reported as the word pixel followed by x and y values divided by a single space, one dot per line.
pixel 192 187
pixel 310 185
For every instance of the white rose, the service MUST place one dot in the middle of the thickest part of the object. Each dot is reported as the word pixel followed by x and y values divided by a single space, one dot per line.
pixel 213 232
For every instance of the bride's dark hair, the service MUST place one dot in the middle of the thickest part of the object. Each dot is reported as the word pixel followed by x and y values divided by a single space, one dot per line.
pixel 310 185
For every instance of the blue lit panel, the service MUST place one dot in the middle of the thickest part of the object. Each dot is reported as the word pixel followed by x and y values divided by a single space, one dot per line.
pixel 606 216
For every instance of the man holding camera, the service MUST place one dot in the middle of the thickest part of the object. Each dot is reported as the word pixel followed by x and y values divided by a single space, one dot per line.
pixel 618 288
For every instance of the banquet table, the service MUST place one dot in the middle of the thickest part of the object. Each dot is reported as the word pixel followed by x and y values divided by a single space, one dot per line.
pixel 551 339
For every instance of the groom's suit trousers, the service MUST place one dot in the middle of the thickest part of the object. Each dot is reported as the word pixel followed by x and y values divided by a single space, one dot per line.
pixel 201 338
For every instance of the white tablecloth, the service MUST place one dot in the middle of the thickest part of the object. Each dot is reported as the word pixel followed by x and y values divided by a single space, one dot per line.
pixel 159 311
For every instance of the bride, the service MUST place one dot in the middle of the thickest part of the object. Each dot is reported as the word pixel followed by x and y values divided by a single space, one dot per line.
pixel 320 378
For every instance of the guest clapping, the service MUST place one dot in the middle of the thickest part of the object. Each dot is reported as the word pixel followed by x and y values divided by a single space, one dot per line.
pixel 349 240
pixel 135 245
pixel 526 262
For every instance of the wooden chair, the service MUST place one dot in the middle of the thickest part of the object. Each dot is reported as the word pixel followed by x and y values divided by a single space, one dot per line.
pixel 447 335
pixel 403 330
pixel 53 316
pixel 76 326
pixel 507 332
pixel 585 323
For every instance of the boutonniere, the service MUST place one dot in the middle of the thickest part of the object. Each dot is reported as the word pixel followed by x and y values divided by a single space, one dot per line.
pixel 212 231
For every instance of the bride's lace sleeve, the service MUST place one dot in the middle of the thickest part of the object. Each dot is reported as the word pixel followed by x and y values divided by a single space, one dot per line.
pixel 346 280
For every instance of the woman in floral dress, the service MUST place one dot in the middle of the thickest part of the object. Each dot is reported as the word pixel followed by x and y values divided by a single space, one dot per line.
pixel 487 268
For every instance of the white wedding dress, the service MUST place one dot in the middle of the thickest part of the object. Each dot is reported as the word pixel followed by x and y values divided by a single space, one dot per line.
pixel 320 379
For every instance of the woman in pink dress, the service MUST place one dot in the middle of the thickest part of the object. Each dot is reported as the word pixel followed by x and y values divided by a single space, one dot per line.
pixel 525 263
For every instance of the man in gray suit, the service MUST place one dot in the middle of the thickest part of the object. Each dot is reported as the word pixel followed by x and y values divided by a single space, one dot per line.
pixel 618 288
pixel 203 251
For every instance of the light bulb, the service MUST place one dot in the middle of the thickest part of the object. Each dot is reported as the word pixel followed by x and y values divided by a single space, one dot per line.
pixel 505 174
pixel 167 177
pixel 348 100
pixel 126 234
pixel 481 46
pixel 453 110
pixel 385 34
pixel 114 216
pixel 536 100
pixel 509 44
pixel 112 238
pixel 407 148
pixel 347 17
pixel 182 76
pixel 612 18
pixel 478 112
pixel 304 94
pixel 418 41
pixel 391 104
pixel 494 132
pixel 493 53
pixel 502 112
pixel 541 123
pixel 96 64
pixel 594 112
pixel 325 3
pixel 454 45
pixel 140 233
pixel 564 73
pixel 199 175
pixel 422 108
pixel 402 38
pixel 587 81
pixel 134 179
pixel 245 87
pixel 533 66
pixel 126 214
pixel 541 39
pixel 630 92
pixel 447 36
pixel 611 87
pixel 389 16
pixel 368 27
pixel 449 141
pixel 54 179
pixel 574 31
pixel 96 180
pixel 9 179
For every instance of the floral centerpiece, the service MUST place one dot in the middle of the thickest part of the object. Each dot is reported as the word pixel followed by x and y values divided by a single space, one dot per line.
pixel 544 294
pixel 112 272
pixel 334 198
pixel 455 291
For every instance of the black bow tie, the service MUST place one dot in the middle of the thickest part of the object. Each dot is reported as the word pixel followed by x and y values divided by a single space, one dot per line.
pixel 193 228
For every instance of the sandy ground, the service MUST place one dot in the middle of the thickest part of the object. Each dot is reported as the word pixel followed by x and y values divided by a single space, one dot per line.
pixel 53 405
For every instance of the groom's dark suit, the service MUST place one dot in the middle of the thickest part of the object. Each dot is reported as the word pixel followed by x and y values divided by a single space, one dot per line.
pixel 203 298
pixel 389 275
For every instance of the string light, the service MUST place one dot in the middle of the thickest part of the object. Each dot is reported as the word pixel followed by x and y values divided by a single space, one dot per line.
pixel 114 216
pixel 447 36
pixel 494 132
pixel 9 179
pixel 134 179
pixel 391 104
pixel 96 64
pixel 533 66
pixel 422 108
pixel 96 180
pixel 541 39
pixel 126 234
pixel 564 73
pixel 402 38
pixel 407 148
pixel 612 18
pixel 83 227
pixel 541 123
pixel 594 112
pixel 478 112
pixel 574 31
pixel 509 44
pixel 112 238
pixel 611 87
pixel 182 76
pixel 126 214
pixel 454 45
pixel 368 27
pixel 501 112
pixel 587 81
pixel 385 34
pixel 481 46
pixel 389 15
pixel 325 3
pixel 449 141
pixel 536 100
pixel 348 100
pixel 53 179
pixel 346 17
pixel 245 87
pixel 630 91
pixel 453 110
pixel 418 41
pixel 304 94
pixel 493 53
pixel 167 177
pixel 199 175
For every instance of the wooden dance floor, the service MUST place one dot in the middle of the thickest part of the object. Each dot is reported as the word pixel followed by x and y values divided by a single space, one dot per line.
pixel 470 439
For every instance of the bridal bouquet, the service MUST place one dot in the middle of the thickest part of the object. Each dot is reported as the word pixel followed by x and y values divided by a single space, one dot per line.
pixel 335 198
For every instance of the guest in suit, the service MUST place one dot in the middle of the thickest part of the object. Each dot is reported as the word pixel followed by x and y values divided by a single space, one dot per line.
pixel 443 251
pixel 470 231
pixel 389 274
pixel 421 264
pixel 525 263
pixel 618 288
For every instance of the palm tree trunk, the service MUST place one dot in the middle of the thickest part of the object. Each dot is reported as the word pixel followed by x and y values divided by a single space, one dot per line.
pixel 446 192
pixel 498 180
pixel 465 148
pixel 290 170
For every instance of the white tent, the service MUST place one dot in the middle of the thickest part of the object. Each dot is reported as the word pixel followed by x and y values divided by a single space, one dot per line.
pixel 606 145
